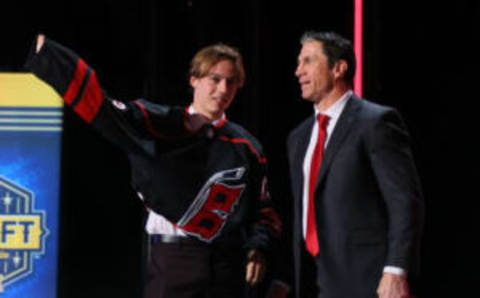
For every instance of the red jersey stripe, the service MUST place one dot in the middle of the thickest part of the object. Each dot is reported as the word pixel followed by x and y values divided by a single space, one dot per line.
pixel 221 123
pixel 91 100
pixel 76 82
pixel 148 122
pixel 261 159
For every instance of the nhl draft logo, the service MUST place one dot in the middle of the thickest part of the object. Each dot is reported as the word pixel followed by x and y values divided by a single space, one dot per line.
pixel 22 233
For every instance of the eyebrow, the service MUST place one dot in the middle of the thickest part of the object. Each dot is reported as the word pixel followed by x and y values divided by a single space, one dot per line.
pixel 303 58
pixel 221 76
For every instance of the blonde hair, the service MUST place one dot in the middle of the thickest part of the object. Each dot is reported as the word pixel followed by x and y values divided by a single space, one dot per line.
pixel 207 57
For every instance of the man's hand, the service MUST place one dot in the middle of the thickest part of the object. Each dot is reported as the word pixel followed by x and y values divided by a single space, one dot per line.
pixel 40 42
pixel 255 267
pixel 393 286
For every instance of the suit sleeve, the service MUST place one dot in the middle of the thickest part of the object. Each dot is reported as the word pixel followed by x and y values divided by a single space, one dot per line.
pixel 391 158
pixel 127 125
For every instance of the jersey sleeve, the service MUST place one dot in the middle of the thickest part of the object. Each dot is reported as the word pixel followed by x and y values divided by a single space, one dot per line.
pixel 126 124
pixel 266 225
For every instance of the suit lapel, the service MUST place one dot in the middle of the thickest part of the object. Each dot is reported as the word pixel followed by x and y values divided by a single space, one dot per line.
pixel 301 144
pixel 343 126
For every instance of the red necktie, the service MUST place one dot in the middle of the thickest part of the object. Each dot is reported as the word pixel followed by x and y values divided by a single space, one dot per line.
pixel 311 241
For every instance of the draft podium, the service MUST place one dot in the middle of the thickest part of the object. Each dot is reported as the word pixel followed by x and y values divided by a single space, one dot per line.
pixel 31 116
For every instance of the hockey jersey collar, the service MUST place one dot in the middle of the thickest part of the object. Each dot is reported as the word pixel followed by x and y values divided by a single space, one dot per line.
pixel 217 123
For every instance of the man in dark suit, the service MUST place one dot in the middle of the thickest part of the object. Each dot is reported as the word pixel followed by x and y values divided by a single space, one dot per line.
pixel 358 207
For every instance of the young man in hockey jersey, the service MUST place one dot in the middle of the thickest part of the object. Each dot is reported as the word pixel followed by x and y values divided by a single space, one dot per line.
pixel 202 177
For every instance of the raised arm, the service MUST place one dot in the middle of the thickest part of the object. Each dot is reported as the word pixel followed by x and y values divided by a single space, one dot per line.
pixel 127 124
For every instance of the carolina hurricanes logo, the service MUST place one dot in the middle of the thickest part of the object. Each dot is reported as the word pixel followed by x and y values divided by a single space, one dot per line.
pixel 214 203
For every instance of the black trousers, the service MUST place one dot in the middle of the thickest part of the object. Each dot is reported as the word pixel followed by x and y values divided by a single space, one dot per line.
pixel 189 270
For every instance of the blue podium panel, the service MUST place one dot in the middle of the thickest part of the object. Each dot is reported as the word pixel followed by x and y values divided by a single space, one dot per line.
pixel 30 143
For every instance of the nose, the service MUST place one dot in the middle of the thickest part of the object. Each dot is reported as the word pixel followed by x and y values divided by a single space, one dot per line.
pixel 298 71
pixel 222 86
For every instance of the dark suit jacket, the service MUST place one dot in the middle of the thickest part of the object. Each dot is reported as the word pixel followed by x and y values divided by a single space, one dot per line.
pixel 368 200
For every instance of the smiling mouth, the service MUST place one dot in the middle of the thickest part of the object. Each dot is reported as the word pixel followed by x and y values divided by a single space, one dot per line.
pixel 304 84
pixel 219 100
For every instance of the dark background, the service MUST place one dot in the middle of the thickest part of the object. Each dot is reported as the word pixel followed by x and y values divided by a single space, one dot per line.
pixel 420 57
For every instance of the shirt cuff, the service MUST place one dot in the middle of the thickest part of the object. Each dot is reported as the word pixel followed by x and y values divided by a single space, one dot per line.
pixel 395 270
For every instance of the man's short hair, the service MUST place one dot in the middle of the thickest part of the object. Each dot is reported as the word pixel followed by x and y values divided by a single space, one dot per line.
pixel 207 57
pixel 335 47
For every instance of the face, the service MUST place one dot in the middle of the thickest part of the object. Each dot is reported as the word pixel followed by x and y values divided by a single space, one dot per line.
pixel 315 77
pixel 213 93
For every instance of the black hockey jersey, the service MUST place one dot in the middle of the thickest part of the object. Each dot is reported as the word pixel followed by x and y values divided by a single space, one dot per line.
pixel 211 184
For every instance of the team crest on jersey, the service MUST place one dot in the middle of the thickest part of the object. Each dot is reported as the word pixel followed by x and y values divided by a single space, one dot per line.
pixel 214 203
pixel 22 232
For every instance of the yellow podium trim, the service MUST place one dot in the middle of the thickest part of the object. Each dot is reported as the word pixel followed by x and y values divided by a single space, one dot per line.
pixel 26 90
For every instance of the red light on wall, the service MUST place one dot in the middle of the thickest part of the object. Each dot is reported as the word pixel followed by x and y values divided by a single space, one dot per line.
pixel 358 45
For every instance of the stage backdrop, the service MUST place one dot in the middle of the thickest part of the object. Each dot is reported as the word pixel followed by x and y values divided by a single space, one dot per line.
pixel 30 142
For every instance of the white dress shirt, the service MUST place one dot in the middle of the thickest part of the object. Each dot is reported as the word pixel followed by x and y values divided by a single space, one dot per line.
pixel 333 113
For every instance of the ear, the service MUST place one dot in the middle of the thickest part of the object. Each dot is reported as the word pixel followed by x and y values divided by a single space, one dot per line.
pixel 193 82
pixel 339 69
